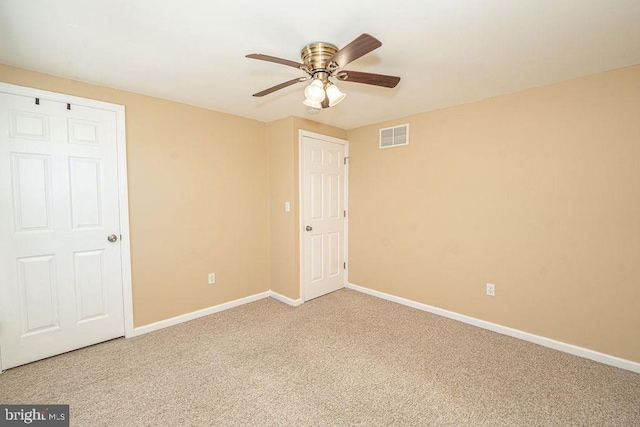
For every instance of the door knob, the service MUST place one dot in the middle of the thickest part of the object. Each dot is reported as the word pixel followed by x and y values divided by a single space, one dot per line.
pixel 112 238
pixel 309 228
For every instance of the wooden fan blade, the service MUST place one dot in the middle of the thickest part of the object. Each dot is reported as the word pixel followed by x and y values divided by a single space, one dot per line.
pixel 368 78
pixel 354 50
pixel 280 86
pixel 268 58
pixel 325 102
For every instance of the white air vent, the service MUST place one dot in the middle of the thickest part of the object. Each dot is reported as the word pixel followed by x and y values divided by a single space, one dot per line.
pixel 395 136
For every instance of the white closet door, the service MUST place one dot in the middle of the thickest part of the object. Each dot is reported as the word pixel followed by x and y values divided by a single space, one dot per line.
pixel 60 276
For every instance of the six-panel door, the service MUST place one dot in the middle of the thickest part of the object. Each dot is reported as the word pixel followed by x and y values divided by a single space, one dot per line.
pixel 60 278
pixel 323 212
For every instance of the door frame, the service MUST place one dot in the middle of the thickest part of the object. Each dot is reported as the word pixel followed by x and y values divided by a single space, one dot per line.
pixel 345 144
pixel 123 198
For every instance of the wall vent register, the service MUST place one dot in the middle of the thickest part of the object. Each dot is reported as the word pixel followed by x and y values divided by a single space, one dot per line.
pixel 394 136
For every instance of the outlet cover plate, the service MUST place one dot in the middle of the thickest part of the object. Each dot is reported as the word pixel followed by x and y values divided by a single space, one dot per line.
pixel 491 289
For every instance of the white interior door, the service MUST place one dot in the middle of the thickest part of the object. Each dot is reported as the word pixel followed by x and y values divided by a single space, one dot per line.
pixel 323 216
pixel 60 277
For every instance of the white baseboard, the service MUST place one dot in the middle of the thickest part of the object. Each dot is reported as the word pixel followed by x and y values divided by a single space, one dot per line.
pixel 526 336
pixel 286 300
pixel 141 330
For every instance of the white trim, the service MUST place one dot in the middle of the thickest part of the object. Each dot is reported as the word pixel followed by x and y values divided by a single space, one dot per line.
pixel 346 220
pixel 504 330
pixel 300 214
pixel 286 300
pixel 123 199
pixel 125 241
pixel 141 330
pixel 345 143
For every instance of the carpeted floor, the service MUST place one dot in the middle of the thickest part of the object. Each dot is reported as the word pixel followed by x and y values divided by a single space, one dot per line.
pixel 343 359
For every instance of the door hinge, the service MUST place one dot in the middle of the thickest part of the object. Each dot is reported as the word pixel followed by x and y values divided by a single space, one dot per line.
pixel 345 160
pixel 345 265
pixel 68 106
pixel 37 101
pixel 345 214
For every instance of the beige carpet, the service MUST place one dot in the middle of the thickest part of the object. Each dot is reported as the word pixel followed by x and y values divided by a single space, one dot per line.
pixel 343 359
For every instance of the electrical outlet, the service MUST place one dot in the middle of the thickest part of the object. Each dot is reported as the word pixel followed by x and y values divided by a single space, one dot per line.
pixel 491 289
pixel 212 278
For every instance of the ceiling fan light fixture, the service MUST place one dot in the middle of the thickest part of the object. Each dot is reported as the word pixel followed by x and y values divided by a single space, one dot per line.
pixel 315 92
pixel 334 95
pixel 322 61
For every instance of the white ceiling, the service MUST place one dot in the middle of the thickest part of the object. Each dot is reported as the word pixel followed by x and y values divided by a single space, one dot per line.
pixel 447 52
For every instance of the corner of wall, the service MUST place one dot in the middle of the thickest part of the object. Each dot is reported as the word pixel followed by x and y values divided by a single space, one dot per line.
pixel 284 248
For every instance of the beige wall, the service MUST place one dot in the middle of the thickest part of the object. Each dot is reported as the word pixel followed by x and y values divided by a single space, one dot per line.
pixel 282 244
pixel 537 192
pixel 284 229
pixel 198 199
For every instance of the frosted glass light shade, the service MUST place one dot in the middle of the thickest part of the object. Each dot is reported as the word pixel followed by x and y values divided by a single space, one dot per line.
pixel 312 104
pixel 315 91
pixel 334 95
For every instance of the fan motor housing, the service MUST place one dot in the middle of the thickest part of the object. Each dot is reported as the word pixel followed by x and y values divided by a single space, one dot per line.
pixel 316 55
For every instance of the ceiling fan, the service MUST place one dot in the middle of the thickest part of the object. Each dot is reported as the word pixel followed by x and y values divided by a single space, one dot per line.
pixel 321 61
